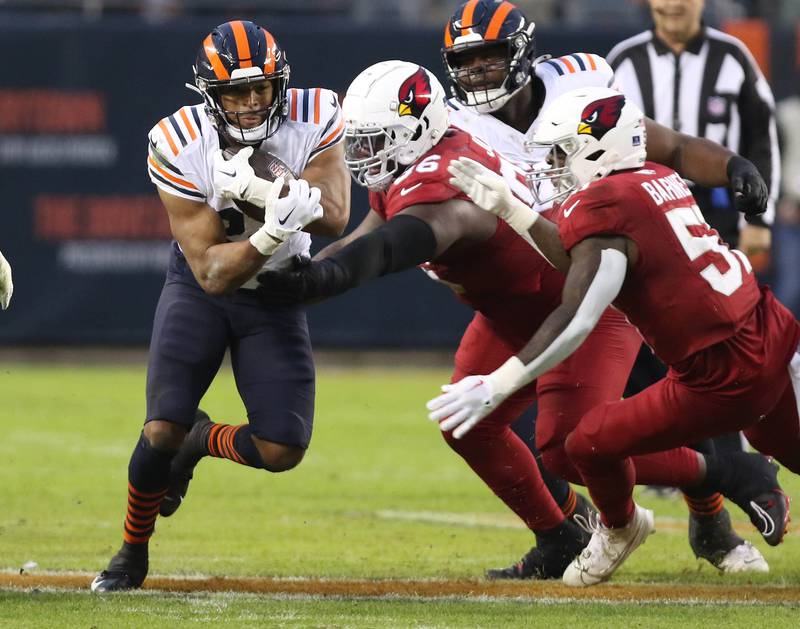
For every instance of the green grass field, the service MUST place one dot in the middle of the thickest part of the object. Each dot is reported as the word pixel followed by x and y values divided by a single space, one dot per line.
pixel 379 496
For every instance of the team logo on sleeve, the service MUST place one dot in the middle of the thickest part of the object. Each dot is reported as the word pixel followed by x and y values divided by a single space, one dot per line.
pixel 599 117
pixel 414 94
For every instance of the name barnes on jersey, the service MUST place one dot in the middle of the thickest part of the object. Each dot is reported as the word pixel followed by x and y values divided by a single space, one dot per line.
pixel 182 145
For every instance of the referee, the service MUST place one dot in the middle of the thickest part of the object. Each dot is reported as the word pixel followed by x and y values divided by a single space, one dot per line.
pixel 702 82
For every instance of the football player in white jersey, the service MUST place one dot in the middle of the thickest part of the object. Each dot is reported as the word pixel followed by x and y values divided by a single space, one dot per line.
pixel 499 89
pixel 207 305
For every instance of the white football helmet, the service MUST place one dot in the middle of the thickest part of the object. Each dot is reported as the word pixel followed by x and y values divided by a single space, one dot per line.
pixel 590 132
pixel 394 112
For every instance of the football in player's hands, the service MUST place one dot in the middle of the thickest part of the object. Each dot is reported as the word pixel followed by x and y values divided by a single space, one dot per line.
pixel 266 166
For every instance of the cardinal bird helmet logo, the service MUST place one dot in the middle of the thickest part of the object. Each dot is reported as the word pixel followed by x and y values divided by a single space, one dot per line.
pixel 599 117
pixel 414 94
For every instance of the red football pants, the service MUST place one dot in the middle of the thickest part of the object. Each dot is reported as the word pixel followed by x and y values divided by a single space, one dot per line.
pixel 595 374
pixel 743 383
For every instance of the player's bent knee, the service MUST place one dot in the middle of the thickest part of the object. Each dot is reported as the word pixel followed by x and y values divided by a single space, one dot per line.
pixel 577 447
pixel 164 435
pixel 556 461
pixel 278 457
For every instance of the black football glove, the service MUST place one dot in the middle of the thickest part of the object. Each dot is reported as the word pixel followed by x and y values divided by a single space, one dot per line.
pixel 304 281
pixel 750 194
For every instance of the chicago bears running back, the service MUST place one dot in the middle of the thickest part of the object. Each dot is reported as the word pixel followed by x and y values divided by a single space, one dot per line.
pixel 207 304
pixel 636 238
pixel 398 144
pixel 500 87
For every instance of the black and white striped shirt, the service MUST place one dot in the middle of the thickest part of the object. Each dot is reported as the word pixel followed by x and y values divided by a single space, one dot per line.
pixel 713 89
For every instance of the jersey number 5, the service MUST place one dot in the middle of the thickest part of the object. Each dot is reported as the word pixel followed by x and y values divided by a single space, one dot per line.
pixel 697 238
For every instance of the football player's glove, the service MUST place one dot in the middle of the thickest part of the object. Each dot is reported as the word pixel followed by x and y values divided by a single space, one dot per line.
pixel 305 281
pixel 490 192
pixel 750 193
pixel 287 215
pixel 235 178
pixel 464 404
pixel 6 285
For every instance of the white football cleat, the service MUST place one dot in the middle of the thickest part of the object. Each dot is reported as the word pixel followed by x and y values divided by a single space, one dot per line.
pixel 608 548
pixel 744 558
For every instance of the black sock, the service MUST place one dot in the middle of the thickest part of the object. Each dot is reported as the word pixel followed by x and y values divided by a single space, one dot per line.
pixel 148 479
pixel 243 442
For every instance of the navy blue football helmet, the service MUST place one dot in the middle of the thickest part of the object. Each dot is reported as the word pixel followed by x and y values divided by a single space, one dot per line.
pixel 237 53
pixel 489 52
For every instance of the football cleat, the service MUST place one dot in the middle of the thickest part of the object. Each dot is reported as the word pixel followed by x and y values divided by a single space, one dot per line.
pixel 744 558
pixel 193 448
pixel 585 515
pixel 608 548
pixel 756 491
pixel 548 559
pixel 126 571
pixel 712 538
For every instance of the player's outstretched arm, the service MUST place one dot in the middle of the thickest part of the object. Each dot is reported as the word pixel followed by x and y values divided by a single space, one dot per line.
pixel 594 280
pixel 327 171
pixel 708 164
pixel 490 192
pixel 416 235
pixel 370 223
pixel 6 285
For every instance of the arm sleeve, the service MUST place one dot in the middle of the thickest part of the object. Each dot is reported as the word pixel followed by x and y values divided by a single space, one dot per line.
pixel 402 243
pixel 603 290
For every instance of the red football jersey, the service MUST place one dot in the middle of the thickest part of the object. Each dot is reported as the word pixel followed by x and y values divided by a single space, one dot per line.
pixel 688 290
pixel 504 278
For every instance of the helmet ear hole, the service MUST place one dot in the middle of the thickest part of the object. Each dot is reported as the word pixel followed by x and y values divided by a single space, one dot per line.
pixel 595 156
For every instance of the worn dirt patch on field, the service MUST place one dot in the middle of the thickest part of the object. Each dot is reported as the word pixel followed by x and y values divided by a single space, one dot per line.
pixel 741 594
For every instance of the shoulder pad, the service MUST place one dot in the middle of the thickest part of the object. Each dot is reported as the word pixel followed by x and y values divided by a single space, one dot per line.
pixel 175 132
pixel 319 108
pixel 578 63
pixel 167 155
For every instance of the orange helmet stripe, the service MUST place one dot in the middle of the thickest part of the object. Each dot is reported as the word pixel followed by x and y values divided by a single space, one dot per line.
pixel 591 61
pixel 170 141
pixel 448 38
pixel 269 66
pixel 567 63
pixel 242 45
pixel 496 23
pixel 188 124
pixel 466 16
pixel 216 64
pixel 317 94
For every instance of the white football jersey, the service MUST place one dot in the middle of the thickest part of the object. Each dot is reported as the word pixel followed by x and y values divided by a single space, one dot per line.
pixel 559 75
pixel 182 146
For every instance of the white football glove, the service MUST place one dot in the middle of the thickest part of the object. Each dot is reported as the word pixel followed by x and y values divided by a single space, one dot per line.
pixel 6 285
pixel 235 178
pixel 490 192
pixel 464 404
pixel 287 215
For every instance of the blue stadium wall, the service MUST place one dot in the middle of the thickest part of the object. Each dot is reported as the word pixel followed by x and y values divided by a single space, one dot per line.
pixel 81 222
